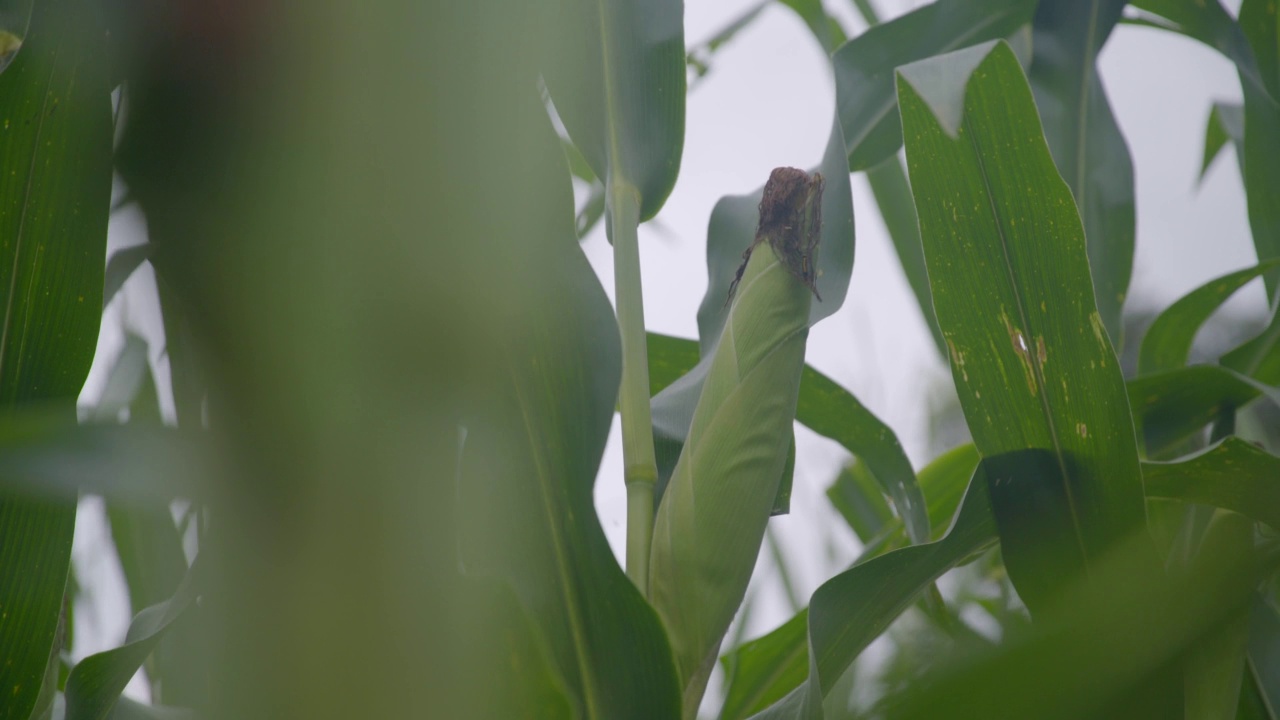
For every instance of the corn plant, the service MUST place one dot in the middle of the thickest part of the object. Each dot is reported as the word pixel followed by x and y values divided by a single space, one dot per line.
pixel 364 485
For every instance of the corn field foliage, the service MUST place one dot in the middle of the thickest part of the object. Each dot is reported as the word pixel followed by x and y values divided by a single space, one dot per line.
pixel 392 371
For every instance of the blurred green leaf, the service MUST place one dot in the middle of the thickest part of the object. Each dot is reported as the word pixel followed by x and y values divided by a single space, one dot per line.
pixel 864 67
pixel 1030 356
pixel 1233 474
pixel 1171 406
pixel 669 358
pixel 1226 122
pixel 699 56
pixel 526 487
pixel 1087 146
pixel 758 673
pixel 1215 666
pixel 1260 356
pixel 1110 648
pixel 853 608
pixel 97 681
pixel 55 144
pixel 1168 340
pixel 615 69
pixel 1261 27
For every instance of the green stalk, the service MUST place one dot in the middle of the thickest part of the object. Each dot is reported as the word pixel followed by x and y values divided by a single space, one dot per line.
pixel 640 465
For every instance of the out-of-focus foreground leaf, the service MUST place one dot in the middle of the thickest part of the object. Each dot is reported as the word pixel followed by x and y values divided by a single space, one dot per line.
pixel 322 254
pixel 866 99
pixel 55 143
pixel 1030 356
pixel 1085 140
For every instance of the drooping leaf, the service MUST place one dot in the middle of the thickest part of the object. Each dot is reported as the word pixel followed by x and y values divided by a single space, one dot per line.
pixel 55 143
pixel 529 464
pixel 853 608
pixel 97 681
pixel 1111 648
pixel 1090 152
pixel 856 495
pixel 831 411
pixel 866 99
pixel 1030 355
pixel 616 71
pixel 1260 24
pixel 1169 407
pixel 1233 475
pixel 1226 122
pixel 1168 340
pixel 1210 23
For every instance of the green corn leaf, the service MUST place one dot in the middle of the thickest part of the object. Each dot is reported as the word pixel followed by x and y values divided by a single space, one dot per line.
pixel 1233 475
pixel 1031 359
pixel 700 56
pixel 822 26
pixel 1259 357
pixel 1215 666
pixel 616 71
pixel 1260 24
pixel 760 672
pixel 97 681
pixel 525 489
pixel 865 96
pixel 121 266
pixel 1225 123
pixel 853 608
pixel 1168 341
pixel 856 495
pixel 1209 22
pixel 773 665
pixel 712 517
pixel 55 141
pixel 1090 152
pixel 1171 406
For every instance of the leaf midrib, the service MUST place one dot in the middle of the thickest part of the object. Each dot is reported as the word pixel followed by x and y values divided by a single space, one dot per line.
pixel 1036 371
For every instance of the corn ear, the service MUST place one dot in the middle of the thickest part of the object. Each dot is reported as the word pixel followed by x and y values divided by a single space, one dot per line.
pixel 712 517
